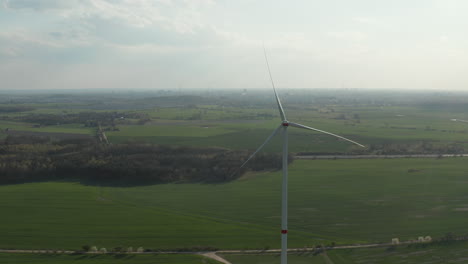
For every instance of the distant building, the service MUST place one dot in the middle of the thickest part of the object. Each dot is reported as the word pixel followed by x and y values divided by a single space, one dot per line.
pixel 395 241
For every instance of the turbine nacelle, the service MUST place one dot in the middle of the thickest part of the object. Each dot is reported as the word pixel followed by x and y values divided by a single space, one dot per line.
pixel 285 123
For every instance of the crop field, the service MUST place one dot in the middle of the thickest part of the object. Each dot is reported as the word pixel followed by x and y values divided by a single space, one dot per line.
pixel 342 201
pixel 104 259
pixel 64 215
pixel 374 125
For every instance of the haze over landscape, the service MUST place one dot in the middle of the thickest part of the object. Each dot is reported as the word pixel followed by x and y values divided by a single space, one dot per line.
pixel 211 44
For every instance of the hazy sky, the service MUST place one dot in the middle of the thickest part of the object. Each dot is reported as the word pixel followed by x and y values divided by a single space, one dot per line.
pixel 63 44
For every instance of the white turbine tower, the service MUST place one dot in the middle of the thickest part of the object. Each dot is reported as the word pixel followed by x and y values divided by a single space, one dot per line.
pixel 284 192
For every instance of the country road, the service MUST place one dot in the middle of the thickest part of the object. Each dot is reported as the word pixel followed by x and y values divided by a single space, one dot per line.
pixel 209 254
pixel 232 251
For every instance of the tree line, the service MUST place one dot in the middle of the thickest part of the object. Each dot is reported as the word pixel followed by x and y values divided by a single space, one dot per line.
pixel 122 164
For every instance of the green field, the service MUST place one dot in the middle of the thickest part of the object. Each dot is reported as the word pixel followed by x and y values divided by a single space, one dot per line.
pixel 104 259
pixel 243 129
pixel 307 258
pixel 344 201
pixel 68 128
pixel 246 128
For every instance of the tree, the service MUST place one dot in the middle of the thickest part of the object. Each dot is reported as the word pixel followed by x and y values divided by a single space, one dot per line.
pixel 86 248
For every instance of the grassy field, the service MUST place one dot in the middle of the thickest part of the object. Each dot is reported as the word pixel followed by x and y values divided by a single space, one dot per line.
pixel 344 201
pixel 103 259
pixel 67 216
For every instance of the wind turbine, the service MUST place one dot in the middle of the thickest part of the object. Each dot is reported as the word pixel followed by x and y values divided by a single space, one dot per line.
pixel 284 190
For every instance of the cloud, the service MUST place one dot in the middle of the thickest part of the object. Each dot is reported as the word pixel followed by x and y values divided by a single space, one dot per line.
pixel 75 31
pixel 19 41
pixel 365 20
pixel 125 22
pixel 179 15
pixel 443 39
pixel 354 36
pixel 39 5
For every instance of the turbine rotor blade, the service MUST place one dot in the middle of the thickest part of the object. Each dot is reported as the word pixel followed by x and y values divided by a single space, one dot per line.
pixel 280 107
pixel 261 146
pixel 324 132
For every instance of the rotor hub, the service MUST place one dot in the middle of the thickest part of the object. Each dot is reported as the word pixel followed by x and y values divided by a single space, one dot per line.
pixel 285 123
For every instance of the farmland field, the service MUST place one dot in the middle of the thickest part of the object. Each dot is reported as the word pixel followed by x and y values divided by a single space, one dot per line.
pixel 344 201
pixel 69 128
pixel 103 259
pixel 376 125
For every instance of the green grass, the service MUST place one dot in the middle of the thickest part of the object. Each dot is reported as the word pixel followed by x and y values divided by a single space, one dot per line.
pixel 103 259
pixel 358 200
pixel 67 216
pixel 345 201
